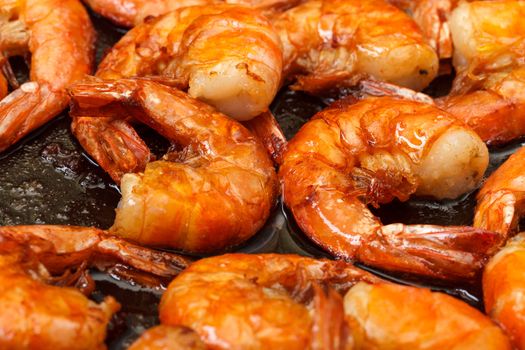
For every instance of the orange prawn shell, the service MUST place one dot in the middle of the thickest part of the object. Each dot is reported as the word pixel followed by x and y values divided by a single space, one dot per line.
pixel 503 288
pixel 340 134
pixel 400 317
pixel 333 43
pixel 39 316
pixel 214 192
pixel 62 45
pixel 350 155
pixel 60 37
pixel 148 49
pixel 489 44
pixel 253 301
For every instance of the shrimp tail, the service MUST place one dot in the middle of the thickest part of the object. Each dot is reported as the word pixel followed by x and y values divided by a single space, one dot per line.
pixel 26 109
pixel 268 131
pixel 499 211
pixel 103 131
pixel 61 248
pixel 155 262
pixel 451 252
pixel 113 144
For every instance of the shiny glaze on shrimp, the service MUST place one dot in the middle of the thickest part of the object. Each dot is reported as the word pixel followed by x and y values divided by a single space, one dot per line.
pixel 130 13
pixel 330 44
pixel 227 56
pixel 489 48
pixel 213 191
pixel 270 301
pixel 376 150
pixel 60 38
pixel 503 289
pixel 267 301
pixel 501 200
pixel 36 315
pixel 388 316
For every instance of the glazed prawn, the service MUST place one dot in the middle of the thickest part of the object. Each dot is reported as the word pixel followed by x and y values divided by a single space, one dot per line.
pixel 60 38
pixel 332 44
pixel 36 314
pixel 213 191
pixel 378 149
pixel 266 301
pixel 489 48
pixel 130 13
pixel 271 301
pixel 227 56
pixel 503 288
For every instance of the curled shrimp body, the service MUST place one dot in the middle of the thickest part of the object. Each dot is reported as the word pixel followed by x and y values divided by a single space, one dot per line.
pixel 270 301
pixel 501 200
pixel 503 288
pixel 130 13
pixel 60 38
pixel 38 315
pixel 214 191
pixel 489 47
pixel 266 301
pixel 372 152
pixel 330 44
pixel 388 316
pixel 226 56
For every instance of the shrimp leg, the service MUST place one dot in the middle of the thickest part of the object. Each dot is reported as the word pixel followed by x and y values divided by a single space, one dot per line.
pixel 266 128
